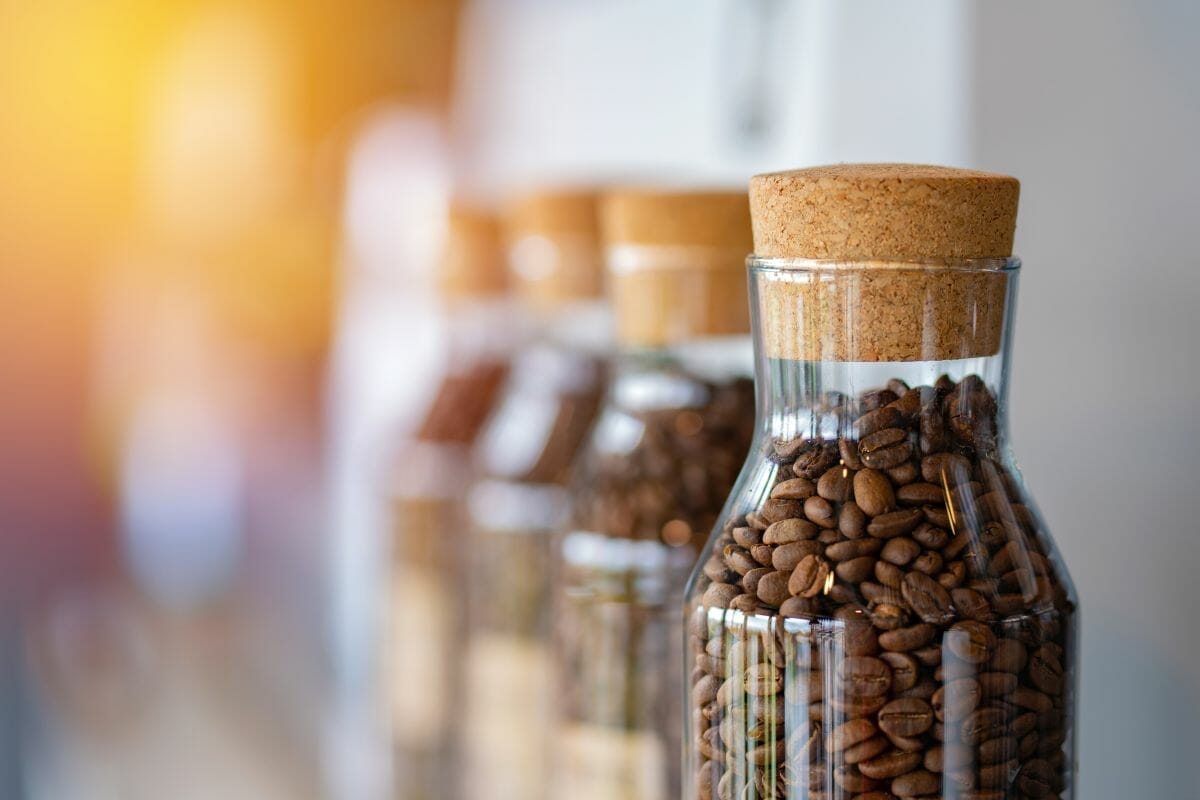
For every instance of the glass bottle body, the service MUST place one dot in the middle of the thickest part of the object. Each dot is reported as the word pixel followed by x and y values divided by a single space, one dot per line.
pixel 881 608
pixel 523 459
pixel 427 603
pixel 650 483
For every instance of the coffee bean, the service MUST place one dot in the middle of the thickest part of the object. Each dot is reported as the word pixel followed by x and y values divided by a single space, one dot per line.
pixel 905 640
pixel 917 782
pixel 891 765
pixel 794 489
pixel 889 574
pixel 836 485
pixel 751 579
pixel 850 733
pixel 930 537
pixel 810 577
pixel 895 523
pixel 720 595
pixel 927 598
pixel 852 521
pixel 856 754
pixel 1046 670
pixel 811 463
pixel 981 725
pixel 905 670
pixel 888 617
pixel 763 554
pixel 899 551
pixel 852 548
pixel 874 421
pixel 747 537
pixel 928 563
pixel 1037 779
pixel 865 676
pixel 799 607
pixel 848 452
pixel 820 511
pixel 971 605
pixel 849 778
pixel 773 588
pixel 957 699
pixel 786 557
pixel 775 509
pixel 908 716
pixel 1031 699
pixel 856 570
pixel 885 448
pixel 739 560
pixel 790 530
pixel 971 641
pixel 996 684
pixel 873 492
pixel 903 474
pixel 920 494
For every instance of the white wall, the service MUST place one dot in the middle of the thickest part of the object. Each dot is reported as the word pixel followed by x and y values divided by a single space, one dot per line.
pixel 1096 107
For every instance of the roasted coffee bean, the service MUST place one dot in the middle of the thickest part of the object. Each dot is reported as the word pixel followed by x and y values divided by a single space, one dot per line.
pixel 848 451
pixel 794 489
pixel 957 699
pixel 856 754
pixel 915 783
pixel 750 579
pixel 717 571
pixel 809 577
pixel 927 598
pixel 850 733
pixel 888 617
pixel 885 449
pixel 865 676
pixel 820 511
pixel 903 474
pixel 936 515
pixel 996 684
pixel 905 640
pixel 813 462
pixel 930 536
pixel 899 551
pixel 836 484
pixel 971 605
pixel 739 560
pixel 856 570
pixel 895 523
pixel 928 563
pixel 889 574
pixel 920 494
pixel 747 537
pixel 775 509
pixel 790 530
pixel 763 554
pixel 849 778
pixel 891 765
pixel 787 556
pixel 971 641
pixel 852 521
pixel 720 595
pixel 874 421
pixel 1045 668
pixel 799 606
pixel 773 588
pixel 873 492
pixel 873 399
pixel 905 670
pixel 981 725
pixel 908 716
pixel 853 548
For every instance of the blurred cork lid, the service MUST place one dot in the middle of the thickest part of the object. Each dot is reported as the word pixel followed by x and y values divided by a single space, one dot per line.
pixel 554 246
pixel 890 212
pixel 473 258
pixel 663 217
pixel 677 264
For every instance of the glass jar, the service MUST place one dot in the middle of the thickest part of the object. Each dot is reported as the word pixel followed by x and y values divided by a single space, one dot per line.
pixel 881 611
pixel 428 487
pixel 524 458
pixel 649 486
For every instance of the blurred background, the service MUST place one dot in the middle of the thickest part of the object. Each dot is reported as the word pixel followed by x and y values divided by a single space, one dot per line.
pixel 218 222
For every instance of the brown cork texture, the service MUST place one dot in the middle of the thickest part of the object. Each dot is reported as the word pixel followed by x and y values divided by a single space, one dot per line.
pixel 473 262
pixel 554 249
pixel 895 238
pixel 677 265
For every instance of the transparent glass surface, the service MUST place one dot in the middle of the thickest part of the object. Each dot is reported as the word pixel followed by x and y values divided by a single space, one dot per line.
pixel 427 614
pixel 649 485
pixel 881 611
pixel 523 457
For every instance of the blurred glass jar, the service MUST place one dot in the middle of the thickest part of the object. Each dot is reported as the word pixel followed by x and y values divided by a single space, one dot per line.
pixel 427 614
pixel 649 486
pixel 524 457
pixel 881 611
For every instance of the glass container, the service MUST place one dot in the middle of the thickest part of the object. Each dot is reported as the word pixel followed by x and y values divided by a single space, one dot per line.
pixel 428 492
pixel 881 611
pixel 523 459
pixel 648 487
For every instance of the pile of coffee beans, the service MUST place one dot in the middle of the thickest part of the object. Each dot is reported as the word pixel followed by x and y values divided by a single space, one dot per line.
pixel 671 485
pixel 889 622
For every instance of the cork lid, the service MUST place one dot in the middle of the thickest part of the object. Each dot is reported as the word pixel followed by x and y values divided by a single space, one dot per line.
pixel 714 219
pixel 889 212
pixel 473 257
pixel 677 264
pixel 553 239
pixel 906 258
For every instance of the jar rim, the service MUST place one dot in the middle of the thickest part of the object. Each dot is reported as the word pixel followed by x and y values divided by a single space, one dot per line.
pixel 760 264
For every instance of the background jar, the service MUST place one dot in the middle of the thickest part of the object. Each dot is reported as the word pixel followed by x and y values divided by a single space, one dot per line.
pixel 427 492
pixel 649 485
pixel 913 630
pixel 523 460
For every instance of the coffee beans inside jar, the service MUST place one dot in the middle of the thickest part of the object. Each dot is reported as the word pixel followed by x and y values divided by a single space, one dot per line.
pixel 889 621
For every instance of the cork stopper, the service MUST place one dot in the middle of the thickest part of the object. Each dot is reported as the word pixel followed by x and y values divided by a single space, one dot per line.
pixel 554 247
pixel 913 256
pixel 473 258
pixel 676 264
